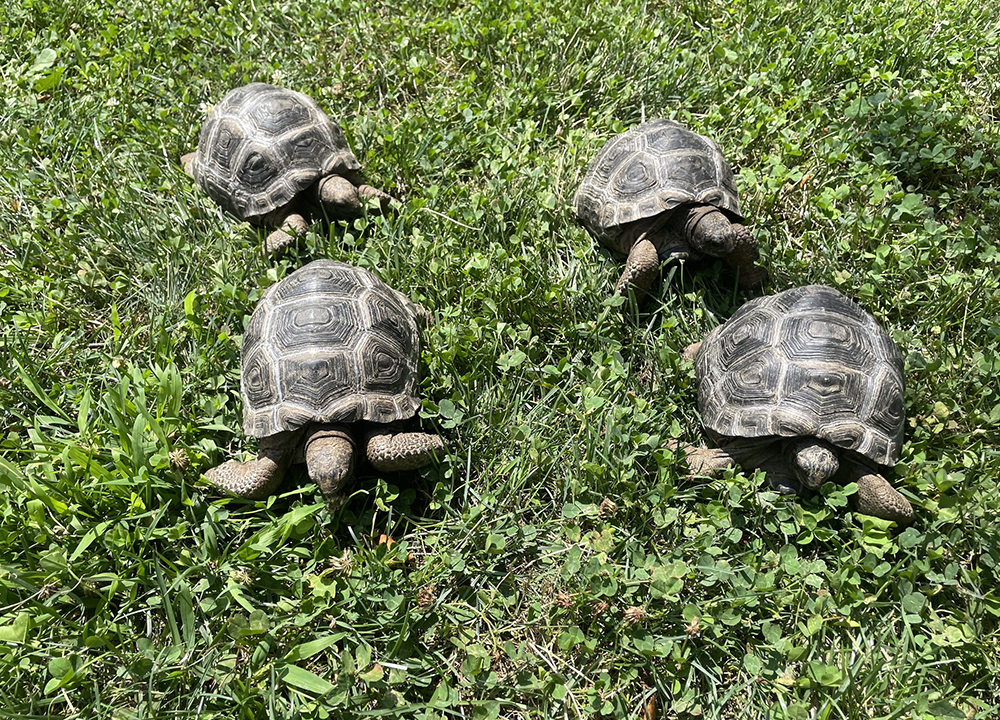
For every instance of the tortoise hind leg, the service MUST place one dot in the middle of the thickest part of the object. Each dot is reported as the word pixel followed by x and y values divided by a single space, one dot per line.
pixel 256 479
pixel 187 162
pixel 390 450
pixel 691 351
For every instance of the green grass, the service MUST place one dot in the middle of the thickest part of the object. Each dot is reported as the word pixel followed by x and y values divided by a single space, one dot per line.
pixel 866 135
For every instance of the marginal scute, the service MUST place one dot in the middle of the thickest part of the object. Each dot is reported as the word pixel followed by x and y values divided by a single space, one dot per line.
pixel 805 362
pixel 338 281
pixel 337 344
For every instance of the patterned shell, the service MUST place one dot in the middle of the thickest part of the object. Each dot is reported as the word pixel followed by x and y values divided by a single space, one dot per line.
pixel 652 169
pixel 804 362
pixel 262 145
pixel 329 343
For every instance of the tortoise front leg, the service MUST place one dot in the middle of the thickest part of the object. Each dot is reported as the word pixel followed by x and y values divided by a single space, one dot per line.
pixel 877 497
pixel 744 258
pixel 390 450
pixel 290 227
pixel 641 269
pixel 187 162
pixel 706 461
pixel 749 454
pixel 344 200
pixel 329 451
pixel 256 479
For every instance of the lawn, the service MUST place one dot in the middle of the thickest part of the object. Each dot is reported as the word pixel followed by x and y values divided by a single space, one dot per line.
pixel 556 563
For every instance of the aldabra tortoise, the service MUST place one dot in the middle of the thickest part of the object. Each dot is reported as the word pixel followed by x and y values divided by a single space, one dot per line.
pixel 660 191
pixel 806 386
pixel 270 155
pixel 330 360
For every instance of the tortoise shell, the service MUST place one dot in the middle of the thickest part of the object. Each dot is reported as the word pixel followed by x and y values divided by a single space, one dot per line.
pixel 329 343
pixel 650 170
pixel 804 362
pixel 263 145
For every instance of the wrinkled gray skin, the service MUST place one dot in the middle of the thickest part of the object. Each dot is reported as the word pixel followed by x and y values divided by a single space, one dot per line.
pixel 800 465
pixel 330 454
pixel 691 232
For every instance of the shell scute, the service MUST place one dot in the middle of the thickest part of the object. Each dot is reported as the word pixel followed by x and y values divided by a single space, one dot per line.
pixel 317 379
pixel 306 325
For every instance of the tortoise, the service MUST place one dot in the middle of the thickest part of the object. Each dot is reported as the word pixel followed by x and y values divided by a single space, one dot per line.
pixel 661 192
pixel 269 156
pixel 329 360
pixel 806 386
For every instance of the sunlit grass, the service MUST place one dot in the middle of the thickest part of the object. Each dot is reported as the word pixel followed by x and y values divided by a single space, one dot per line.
pixel 555 564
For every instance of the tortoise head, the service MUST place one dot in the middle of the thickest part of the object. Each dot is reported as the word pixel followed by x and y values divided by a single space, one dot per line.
pixel 709 231
pixel 814 461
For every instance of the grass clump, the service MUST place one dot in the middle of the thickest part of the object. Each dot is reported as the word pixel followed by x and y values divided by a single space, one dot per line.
pixel 555 564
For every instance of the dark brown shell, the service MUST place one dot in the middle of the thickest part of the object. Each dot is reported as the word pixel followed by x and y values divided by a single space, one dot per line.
pixel 652 169
pixel 329 343
pixel 804 362
pixel 263 145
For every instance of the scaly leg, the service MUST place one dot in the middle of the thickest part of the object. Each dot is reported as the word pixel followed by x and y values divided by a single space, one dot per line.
pixel 744 259
pixel 283 238
pixel 343 200
pixel 187 162
pixel 256 479
pixel 748 454
pixel 640 270
pixel 390 450
pixel 385 201
pixel 877 497
pixel 691 351
pixel 707 461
